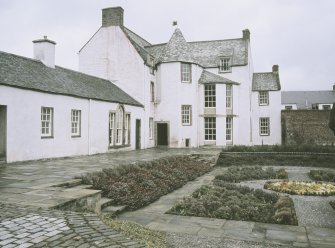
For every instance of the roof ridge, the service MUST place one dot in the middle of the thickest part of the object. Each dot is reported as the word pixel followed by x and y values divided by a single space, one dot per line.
pixel 137 35
pixel 202 41
pixel 22 57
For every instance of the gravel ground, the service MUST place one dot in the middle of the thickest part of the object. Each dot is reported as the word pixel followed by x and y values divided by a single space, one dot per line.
pixel 192 241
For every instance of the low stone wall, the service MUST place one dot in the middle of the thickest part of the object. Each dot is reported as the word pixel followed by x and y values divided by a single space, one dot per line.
pixel 306 127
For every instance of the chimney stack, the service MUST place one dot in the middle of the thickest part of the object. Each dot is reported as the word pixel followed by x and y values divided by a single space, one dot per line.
pixel 246 34
pixel 112 17
pixel 275 68
pixel 44 50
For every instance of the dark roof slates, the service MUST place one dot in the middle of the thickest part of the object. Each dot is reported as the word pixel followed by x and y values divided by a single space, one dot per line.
pixel 17 71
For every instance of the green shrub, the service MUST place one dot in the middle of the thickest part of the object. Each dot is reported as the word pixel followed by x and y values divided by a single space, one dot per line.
pixel 238 174
pixel 137 185
pixel 228 201
pixel 322 175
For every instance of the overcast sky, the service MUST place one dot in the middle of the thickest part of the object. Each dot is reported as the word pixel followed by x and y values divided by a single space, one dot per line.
pixel 298 35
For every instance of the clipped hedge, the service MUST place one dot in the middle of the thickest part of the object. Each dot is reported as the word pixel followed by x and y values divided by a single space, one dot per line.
pixel 321 175
pixel 275 159
pixel 238 174
pixel 231 202
pixel 137 185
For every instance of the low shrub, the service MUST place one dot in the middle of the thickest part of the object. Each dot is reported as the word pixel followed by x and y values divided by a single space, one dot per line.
pixel 238 174
pixel 282 148
pixel 227 201
pixel 137 185
pixel 275 159
pixel 322 175
pixel 302 188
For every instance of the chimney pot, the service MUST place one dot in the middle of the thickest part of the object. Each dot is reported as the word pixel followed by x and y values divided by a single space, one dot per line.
pixel 44 51
pixel 275 68
pixel 112 17
pixel 246 34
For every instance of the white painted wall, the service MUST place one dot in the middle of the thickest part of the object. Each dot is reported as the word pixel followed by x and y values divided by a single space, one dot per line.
pixel 110 55
pixel 273 111
pixel 24 140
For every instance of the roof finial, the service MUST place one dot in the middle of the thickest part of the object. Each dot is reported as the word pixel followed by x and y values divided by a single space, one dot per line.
pixel 174 23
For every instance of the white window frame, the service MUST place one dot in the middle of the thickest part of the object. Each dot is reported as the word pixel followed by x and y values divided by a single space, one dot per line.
pixel 127 129
pixel 75 123
pixel 210 128
pixel 119 126
pixel 111 128
pixel 186 115
pixel 225 65
pixel 229 128
pixel 229 96
pixel 263 97
pixel 288 107
pixel 210 95
pixel 151 128
pixel 186 73
pixel 47 119
pixel 264 126
pixel 152 91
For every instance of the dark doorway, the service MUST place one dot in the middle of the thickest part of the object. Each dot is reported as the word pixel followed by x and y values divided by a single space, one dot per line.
pixel 138 134
pixel 162 134
pixel 3 132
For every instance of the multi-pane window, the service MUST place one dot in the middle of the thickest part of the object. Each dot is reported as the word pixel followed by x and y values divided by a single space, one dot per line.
pixel 210 128
pixel 46 122
pixel 119 126
pixel 152 66
pixel 75 122
pixel 111 128
pixel 210 96
pixel 185 72
pixel 224 65
pixel 264 126
pixel 152 91
pixel 288 107
pixel 229 129
pixel 151 128
pixel 126 129
pixel 186 113
pixel 229 96
pixel 263 98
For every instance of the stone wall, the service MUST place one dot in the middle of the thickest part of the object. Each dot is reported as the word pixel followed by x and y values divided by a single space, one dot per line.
pixel 306 127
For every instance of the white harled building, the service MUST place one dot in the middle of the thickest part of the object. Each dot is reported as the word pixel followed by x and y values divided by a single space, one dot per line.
pixel 193 93
pixel 131 94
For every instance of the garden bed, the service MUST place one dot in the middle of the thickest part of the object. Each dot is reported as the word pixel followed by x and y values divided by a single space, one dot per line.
pixel 228 158
pixel 301 188
pixel 238 174
pixel 322 175
pixel 231 202
pixel 141 184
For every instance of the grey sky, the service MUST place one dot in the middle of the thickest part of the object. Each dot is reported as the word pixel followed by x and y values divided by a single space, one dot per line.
pixel 298 35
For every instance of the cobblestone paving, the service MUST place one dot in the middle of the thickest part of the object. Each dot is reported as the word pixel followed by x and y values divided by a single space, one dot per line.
pixel 31 227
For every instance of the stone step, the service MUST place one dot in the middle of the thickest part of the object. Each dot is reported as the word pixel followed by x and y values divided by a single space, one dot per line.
pixel 105 202
pixel 69 183
pixel 113 210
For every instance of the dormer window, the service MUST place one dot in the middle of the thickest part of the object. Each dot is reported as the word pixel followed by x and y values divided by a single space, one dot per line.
pixel 225 64
pixel 186 75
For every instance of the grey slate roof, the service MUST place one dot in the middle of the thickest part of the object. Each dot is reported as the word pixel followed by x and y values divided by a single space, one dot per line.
pixel 205 53
pixel 305 99
pixel 21 72
pixel 208 77
pixel 265 81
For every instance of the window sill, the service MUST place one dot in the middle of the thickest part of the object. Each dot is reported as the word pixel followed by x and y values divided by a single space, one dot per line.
pixel 47 137
pixel 75 136
pixel 264 104
pixel 186 82
pixel 118 146
pixel 187 125
pixel 222 72
pixel 264 134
